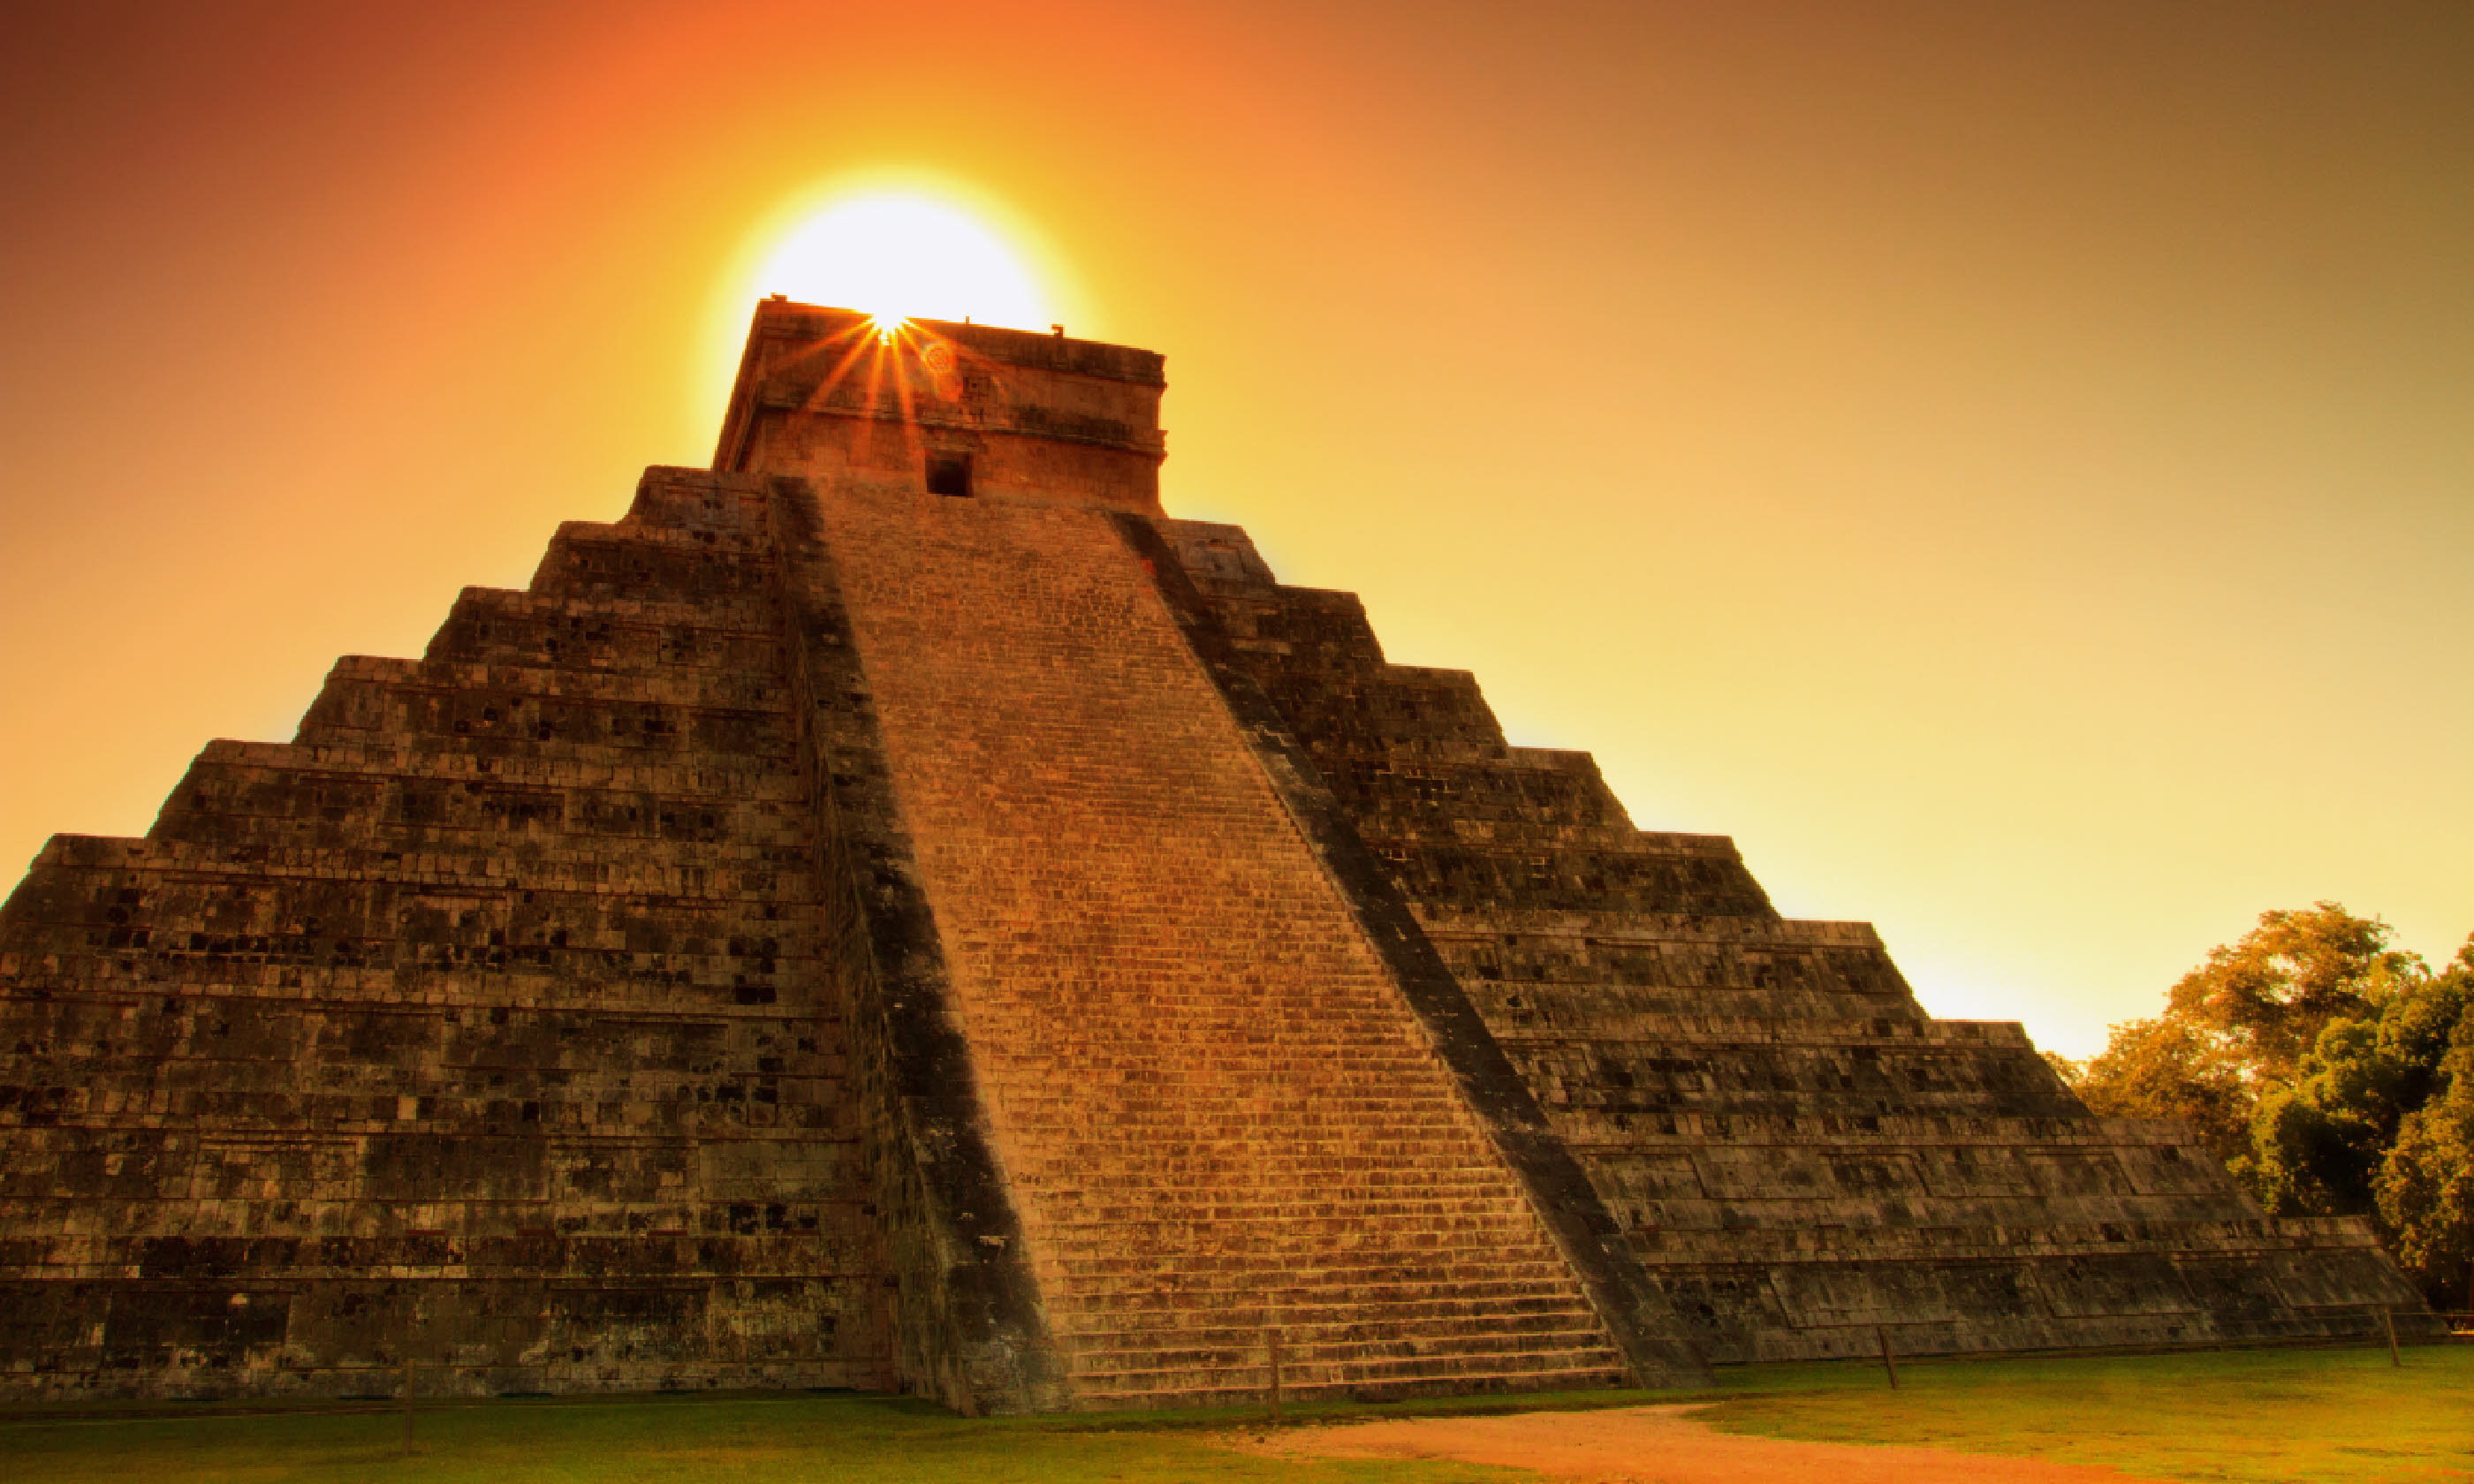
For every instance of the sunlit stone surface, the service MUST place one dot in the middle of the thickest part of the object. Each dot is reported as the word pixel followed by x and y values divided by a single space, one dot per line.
pixel 898 911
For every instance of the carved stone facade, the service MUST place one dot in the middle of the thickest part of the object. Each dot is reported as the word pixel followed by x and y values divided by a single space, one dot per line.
pixel 896 910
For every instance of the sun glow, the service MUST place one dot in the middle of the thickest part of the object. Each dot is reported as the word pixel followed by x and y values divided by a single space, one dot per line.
pixel 898 245
pixel 900 254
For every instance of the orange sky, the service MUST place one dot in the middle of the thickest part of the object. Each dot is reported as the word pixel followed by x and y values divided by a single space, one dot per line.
pixel 2010 467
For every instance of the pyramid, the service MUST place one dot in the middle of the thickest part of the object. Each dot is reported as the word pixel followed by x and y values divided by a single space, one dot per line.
pixel 898 912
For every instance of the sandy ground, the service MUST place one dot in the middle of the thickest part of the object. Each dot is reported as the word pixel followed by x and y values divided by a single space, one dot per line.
pixel 1655 1444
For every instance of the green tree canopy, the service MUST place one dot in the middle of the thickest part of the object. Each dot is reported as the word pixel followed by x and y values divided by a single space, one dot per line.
pixel 2332 1072
pixel 2425 1186
pixel 2277 988
pixel 2168 1068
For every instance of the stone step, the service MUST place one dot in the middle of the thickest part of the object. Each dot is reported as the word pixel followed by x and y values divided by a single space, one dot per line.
pixel 1558 1370
pixel 533 1096
pixel 406 919
pixel 1671 1033
pixel 1311 1354
pixel 1113 1206
pixel 520 630
pixel 267 808
pixel 1235 1148
pixel 713 873
pixel 1165 1069
pixel 1161 1281
pixel 2044 1237
pixel 1520 846
pixel 650 995
pixel 1748 1134
pixel 1341 1112
pixel 578 733
pixel 1596 970
pixel 627 769
pixel 1337 1253
pixel 1176 1170
pixel 1182 1185
pixel 641 615
pixel 589 625
pixel 475 685
pixel 1237 1394
pixel 1715 1221
pixel 1205 1170
pixel 274 1108
pixel 1071 1168
pixel 626 563
pixel 1107 1090
pixel 1255 1244
pixel 1686 989
pixel 528 974
pixel 1472 877
pixel 1279 1230
pixel 1879 1102
pixel 1625 927
pixel 1251 1318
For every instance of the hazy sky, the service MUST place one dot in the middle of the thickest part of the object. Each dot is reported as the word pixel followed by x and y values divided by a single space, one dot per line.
pixel 2010 467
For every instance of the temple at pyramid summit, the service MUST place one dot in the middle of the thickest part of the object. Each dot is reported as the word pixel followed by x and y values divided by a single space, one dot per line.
pixel 898 911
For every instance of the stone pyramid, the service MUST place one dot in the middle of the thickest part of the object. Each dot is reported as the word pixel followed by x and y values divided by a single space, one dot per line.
pixel 897 911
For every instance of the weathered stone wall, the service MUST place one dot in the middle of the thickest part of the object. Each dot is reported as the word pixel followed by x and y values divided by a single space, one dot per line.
pixel 481 1025
pixel 1798 1153
pixel 1038 417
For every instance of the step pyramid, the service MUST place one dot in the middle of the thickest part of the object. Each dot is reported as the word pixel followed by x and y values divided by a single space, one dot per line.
pixel 896 911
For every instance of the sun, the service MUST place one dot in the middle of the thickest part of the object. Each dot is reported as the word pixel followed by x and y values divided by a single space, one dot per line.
pixel 906 254
pixel 897 243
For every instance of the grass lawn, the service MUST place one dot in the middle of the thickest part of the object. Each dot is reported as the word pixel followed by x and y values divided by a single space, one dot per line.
pixel 669 1440
pixel 2315 1415
pixel 2342 1416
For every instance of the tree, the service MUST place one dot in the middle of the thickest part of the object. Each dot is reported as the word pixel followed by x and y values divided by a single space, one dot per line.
pixel 2318 1142
pixel 2274 991
pixel 2425 1186
pixel 2313 1149
pixel 2333 1073
pixel 2233 1038
pixel 2168 1068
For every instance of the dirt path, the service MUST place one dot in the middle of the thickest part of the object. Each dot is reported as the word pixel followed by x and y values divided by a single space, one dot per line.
pixel 1658 1444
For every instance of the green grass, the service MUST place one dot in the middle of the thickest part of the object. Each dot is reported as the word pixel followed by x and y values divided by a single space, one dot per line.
pixel 2341 1416
pixel 684 1440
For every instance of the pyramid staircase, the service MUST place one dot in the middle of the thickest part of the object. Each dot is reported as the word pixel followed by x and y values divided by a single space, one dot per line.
pixel 1224 1128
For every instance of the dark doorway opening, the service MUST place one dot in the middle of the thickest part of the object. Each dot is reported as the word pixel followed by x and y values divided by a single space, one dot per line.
pixel 949 473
